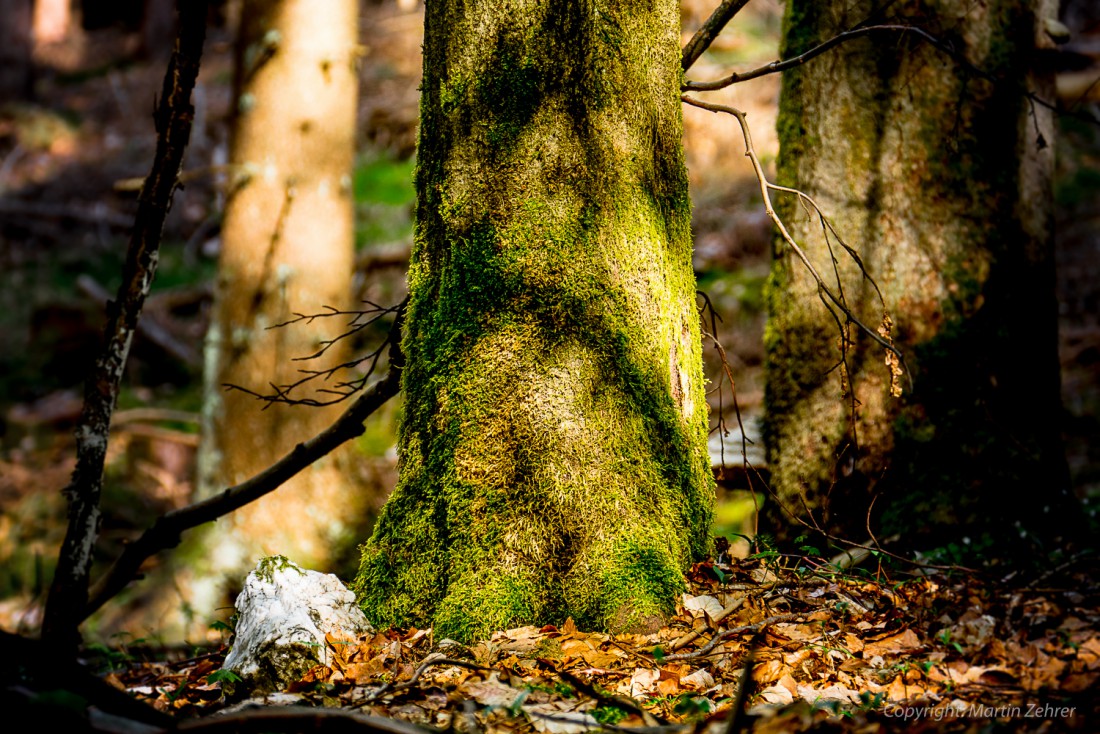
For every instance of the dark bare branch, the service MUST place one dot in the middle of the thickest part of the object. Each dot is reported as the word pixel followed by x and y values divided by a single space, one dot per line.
pixel 69 590
pixel 705 36
pixel 780 65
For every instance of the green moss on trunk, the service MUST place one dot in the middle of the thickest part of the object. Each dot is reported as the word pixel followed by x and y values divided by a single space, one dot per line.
pixel 553 448
pixel 936 178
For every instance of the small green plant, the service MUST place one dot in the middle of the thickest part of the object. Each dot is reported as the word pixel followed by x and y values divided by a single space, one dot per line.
pixel 608 715
pixel 219 626
pixel 944 638
pixel 871 701
pixel 803 545
pixel 223 676
pixel 113 659
pixel 692 707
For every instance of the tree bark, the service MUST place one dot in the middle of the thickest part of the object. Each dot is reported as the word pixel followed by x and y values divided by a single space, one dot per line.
pixel 940 179
pixel 287 246
pixel 553 448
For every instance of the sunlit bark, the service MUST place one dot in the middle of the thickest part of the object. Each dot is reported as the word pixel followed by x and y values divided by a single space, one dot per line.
pixel 287 246
pixel 553 450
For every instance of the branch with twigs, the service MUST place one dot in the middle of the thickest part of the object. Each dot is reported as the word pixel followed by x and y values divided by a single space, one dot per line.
pixel 166 531
pixel 781 65
pixel 824 291
pixel 341 390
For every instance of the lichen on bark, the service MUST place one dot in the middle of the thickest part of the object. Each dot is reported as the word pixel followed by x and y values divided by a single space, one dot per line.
pixel 553 448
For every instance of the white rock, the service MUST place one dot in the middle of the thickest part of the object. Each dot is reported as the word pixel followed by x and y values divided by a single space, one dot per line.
pixel 284 613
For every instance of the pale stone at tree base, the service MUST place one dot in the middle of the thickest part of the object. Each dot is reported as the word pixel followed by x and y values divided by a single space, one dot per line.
pixel 284 614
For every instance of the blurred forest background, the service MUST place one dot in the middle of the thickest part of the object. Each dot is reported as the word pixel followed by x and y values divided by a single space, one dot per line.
pixel 76 138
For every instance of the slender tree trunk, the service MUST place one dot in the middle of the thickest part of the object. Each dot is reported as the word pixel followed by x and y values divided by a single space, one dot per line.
pixel 553 449
pixel 287 244
pixel 940 179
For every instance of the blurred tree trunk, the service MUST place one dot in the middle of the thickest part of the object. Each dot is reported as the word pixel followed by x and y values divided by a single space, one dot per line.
pixel 942 182
pixel 158 27
pixel 16 44
pixel 553 457
pixel 53 19
pixel 287 246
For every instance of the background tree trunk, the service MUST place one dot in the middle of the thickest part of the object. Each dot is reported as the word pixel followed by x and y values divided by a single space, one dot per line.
pixel 941 181
pixel 53 20
pixel 16 44
pixel 553 448
pixel 287 246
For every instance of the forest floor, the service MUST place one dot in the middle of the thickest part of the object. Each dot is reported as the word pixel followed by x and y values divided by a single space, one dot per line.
pixel 807 644
pixel 853 650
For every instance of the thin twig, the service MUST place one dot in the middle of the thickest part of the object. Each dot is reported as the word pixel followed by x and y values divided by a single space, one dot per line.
pixel 696 634
pixel 340 390
pixel 722 636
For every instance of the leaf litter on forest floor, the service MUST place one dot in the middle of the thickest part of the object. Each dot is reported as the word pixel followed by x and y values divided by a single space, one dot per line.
pixel 944 653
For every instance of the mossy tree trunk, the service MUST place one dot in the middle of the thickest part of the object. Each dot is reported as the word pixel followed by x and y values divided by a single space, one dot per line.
pixel 287 246
pixel 553 449
pixel 941 181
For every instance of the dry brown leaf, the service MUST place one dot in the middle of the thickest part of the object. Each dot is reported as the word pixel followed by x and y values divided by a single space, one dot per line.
pixel 599 659
pixel 700 680
pixel 491 692
pixel 789 683
pixel 902 642
pixel 797 657
pixel 769 671
pixel 1079 682
pixel 1089 653
pixel 641 682
pixel 575 647
pixel 897 690
pixel 362 673
pixel 776 694
pixel 834 692
pixel 699 605
pixel 668 686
